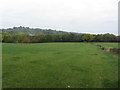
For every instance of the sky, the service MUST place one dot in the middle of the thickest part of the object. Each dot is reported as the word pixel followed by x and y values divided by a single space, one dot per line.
pixel 83 16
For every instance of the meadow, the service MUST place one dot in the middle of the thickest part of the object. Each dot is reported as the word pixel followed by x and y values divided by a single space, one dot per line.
pixel 58 65
pixel 109 45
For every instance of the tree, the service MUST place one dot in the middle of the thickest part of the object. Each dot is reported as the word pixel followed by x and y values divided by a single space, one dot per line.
pixel 88 37
pixel 26 40
pixel 7 37
pixel 98 38
pixel 39 38
pixel 49 38
pixel 58 38
pixel 109 37
pixel 118 38
pixel 1 38
pixel 19 37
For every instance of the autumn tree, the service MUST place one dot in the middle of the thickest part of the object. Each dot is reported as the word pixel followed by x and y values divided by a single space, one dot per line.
pixel 26 39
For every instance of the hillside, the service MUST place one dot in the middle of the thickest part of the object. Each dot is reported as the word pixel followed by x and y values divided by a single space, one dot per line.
pixel 31 31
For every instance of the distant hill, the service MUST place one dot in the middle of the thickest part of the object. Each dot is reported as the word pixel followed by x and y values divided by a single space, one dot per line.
pixel 32 31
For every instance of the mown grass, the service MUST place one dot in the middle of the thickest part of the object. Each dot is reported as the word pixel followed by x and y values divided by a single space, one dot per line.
pixel 58 65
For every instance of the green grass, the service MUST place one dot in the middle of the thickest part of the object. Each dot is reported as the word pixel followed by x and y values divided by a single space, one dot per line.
pixel 109 45
pixel 58 65
pixel 0 65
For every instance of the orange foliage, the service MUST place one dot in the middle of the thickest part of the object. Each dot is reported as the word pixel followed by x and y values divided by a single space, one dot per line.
pixel 26 40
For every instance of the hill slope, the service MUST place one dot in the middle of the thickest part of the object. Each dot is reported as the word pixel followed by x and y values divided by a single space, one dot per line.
pixel 33 31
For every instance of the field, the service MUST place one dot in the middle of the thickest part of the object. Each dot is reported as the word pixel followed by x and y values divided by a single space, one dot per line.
pixel 109 45
pixel 58 65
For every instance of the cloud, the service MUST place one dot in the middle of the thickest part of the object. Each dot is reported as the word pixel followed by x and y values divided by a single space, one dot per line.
pixel 94 16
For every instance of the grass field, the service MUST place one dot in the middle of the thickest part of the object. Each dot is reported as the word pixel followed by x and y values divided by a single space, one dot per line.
pixel 58 65
pixel 0 65
pixel 109 45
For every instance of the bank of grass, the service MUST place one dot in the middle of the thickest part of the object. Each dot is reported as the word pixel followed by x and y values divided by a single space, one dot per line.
pixel 58 65
pixel 109 45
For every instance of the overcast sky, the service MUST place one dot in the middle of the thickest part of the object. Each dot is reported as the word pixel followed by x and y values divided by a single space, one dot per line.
pixel 84 16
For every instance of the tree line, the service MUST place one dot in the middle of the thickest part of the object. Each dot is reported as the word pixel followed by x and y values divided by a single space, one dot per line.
pixel 67 37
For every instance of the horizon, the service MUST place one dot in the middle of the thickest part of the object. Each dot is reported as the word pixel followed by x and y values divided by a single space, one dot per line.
pixel 57 30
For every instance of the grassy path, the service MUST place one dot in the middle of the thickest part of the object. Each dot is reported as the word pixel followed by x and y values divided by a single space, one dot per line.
pixel 58 65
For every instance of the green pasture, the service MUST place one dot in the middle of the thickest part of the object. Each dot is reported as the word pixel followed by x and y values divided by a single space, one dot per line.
pixel 109 45
pixel 58 65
